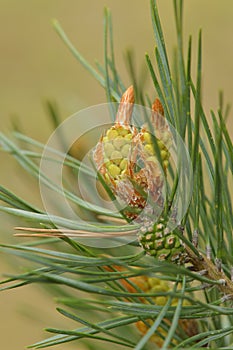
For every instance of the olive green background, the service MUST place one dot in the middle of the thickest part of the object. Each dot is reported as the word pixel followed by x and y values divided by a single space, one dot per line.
pixel 35 65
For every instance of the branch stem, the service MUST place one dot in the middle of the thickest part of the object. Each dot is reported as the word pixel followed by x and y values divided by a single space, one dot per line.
pixel 203 263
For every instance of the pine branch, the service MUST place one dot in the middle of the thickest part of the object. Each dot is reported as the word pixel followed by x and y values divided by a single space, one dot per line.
pixel 213 272
pixel 161 288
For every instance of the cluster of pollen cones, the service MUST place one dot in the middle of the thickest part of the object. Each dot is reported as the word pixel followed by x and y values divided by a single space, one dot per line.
pixel 146 284
pixel 126 157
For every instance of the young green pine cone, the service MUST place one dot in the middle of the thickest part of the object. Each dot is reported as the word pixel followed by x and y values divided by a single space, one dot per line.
pixel 158 241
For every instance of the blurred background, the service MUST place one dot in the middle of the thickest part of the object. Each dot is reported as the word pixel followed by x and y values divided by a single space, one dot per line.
pixel 36 66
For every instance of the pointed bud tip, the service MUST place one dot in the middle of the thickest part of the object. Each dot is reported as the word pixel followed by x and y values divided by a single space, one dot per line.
pixel 125 107
pixel 128 96
pixel 157 107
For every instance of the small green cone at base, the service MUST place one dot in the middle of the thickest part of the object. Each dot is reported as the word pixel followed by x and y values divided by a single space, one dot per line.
pixel 160 242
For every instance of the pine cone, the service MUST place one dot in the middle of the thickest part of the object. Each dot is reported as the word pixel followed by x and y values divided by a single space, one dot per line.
pixel 158 241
